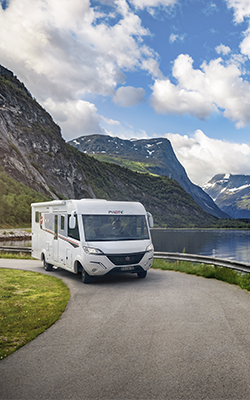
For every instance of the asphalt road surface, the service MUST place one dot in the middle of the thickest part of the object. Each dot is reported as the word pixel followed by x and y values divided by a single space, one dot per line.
pixel 169 336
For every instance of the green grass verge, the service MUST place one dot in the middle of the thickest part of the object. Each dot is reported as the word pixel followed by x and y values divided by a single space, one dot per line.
pixel 19 256
pixel 30 302
pixel 208 271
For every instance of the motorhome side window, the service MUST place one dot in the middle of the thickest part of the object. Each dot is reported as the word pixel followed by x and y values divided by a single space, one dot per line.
pixel 62 223
pixel 37 217
pixel 73 233
pixel 49 222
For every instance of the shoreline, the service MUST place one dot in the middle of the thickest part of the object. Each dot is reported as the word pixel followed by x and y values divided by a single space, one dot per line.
pixel 14 234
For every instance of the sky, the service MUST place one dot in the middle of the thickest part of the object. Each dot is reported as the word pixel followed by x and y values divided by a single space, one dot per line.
pixel 178 69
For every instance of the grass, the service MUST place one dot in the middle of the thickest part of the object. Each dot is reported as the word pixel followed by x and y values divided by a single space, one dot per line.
pixel 16 256
pixel 208 271
pixel 133 165
pixel 29 303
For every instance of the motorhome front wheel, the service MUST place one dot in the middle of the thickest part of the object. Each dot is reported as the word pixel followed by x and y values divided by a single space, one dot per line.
pixel 86 278
pixel 142 274
pixel 47 266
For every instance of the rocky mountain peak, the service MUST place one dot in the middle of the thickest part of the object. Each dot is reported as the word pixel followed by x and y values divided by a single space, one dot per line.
pixel 12 79
pixel 156 153
pixel 231 193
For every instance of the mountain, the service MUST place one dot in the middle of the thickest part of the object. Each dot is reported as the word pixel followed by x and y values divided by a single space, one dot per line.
pixel 231 193
pixel 33 153
pixel 155 156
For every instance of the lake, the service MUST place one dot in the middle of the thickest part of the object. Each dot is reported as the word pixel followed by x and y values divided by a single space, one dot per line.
pixel 221 243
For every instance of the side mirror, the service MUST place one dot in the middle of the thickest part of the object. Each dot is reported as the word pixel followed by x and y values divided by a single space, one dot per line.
pixel 72 220
pixel 150 220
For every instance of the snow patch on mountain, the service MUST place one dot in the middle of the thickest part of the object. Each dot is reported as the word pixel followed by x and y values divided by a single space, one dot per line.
pixel 231 193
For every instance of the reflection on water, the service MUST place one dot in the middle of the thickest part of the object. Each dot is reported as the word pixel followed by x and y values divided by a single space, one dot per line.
pixel 222 243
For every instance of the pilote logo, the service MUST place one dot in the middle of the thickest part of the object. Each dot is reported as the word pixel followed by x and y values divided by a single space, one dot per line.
pixel 116 212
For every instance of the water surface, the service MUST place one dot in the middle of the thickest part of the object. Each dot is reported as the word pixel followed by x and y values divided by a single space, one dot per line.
pixel 221 243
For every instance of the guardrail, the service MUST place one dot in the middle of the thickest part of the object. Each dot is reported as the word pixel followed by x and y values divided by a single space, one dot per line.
pixel 237 265
pixel 15 249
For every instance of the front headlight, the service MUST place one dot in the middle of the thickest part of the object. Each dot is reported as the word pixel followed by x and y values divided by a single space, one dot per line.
pixel 150 247
pixel 92 250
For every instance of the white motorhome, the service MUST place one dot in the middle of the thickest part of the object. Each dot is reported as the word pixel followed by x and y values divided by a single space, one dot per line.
pixel 94 237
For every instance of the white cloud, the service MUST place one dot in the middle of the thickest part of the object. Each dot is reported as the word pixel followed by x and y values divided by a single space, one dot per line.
pixel 124 130
pixel 199 92
pixel 63 50
pixel 110 121
pixel 153 3
pixel 76 118
pixel 173 37
pixel 241 9
pixel 222 49
pixel 128 96
pixel 176 37
pixel 245 44
pixel 203 157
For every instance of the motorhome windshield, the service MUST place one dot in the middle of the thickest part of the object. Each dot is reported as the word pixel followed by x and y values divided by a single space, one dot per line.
pixel 115 227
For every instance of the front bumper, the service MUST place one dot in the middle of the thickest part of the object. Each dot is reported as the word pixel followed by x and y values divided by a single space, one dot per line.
pixel 102 264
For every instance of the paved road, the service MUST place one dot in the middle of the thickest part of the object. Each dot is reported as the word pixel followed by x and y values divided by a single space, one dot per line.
pixel 169 336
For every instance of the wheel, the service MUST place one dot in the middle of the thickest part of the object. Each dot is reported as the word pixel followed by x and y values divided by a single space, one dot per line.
pixel 47 266
pixel 142 274
pixel 86 278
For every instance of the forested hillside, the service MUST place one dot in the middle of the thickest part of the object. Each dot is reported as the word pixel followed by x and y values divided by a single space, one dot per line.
pixel 15 200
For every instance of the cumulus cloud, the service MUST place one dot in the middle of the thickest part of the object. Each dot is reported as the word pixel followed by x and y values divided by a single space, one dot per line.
pixel 128 96
pixel 241 9
pixel 222 49
pixel 203 157
pixel 76 118
pixel 214 87
pixel 63 50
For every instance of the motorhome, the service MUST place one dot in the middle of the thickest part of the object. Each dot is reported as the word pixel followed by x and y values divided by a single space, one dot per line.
pixel 94 237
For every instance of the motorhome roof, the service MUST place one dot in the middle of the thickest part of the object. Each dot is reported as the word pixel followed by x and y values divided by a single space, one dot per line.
pixel 94 206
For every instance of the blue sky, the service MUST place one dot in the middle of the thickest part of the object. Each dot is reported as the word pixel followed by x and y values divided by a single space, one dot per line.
pixel 140 69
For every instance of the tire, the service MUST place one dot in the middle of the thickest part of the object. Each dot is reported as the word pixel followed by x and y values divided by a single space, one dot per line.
pixel 86 278
pixel 142 274
pixel 47 266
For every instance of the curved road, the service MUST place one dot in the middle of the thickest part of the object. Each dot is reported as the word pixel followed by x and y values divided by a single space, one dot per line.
pixel 169 336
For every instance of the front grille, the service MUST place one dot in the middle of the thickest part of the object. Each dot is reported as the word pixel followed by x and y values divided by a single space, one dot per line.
pixel 125 259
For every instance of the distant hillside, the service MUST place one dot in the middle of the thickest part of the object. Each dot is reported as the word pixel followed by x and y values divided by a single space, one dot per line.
pixel 34 153
pixel 155 156
pixel 231 193
pixel 15 200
